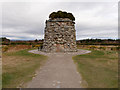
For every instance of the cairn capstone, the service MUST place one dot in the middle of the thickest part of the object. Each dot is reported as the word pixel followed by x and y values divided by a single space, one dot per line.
pixel 60 35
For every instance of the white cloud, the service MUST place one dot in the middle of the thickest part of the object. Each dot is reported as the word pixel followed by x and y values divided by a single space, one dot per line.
pixel 26 20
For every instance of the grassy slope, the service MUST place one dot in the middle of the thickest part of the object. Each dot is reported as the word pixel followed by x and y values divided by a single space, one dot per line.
pixel 19 67
pixel 99 68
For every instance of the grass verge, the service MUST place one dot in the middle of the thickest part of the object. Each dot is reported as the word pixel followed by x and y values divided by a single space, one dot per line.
pixel 99 68
pixel 19 67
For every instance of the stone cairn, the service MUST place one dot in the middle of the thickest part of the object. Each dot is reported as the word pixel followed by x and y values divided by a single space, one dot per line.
pixel 59 35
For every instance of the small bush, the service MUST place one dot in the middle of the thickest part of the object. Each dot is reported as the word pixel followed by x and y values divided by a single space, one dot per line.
pixel 4 49
pixel 37 46
pixel 92 47
pixel 60 14
pixel 117 48
pixel 102 48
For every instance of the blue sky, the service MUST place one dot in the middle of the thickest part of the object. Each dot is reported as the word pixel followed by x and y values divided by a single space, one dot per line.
pixel 26 20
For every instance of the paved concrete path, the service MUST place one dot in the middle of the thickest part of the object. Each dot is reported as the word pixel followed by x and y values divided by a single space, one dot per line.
pixel 58 72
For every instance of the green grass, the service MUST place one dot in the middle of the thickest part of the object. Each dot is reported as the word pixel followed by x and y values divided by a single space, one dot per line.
pixel 99 68
pixel 19 67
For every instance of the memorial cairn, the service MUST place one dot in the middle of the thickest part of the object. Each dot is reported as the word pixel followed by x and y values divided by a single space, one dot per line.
pixel 60 33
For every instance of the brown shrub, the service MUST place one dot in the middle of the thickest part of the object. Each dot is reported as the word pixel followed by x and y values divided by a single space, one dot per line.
pixel 12 48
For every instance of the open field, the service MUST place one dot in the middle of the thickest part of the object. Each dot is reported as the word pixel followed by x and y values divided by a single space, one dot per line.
pixel 99 68
pixel 19 67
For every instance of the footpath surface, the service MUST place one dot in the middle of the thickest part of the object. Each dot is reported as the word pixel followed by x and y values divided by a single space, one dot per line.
pixel 58 72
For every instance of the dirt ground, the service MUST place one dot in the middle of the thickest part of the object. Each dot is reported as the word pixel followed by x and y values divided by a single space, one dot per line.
pixel 59 71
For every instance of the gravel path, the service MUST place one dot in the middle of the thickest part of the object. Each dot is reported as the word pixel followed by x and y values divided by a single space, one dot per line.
pixel 58 72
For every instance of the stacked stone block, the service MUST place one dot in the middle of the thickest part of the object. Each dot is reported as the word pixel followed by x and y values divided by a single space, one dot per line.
pixel 59 36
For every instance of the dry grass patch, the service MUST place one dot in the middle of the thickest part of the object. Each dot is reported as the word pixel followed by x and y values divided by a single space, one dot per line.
pixel 19 67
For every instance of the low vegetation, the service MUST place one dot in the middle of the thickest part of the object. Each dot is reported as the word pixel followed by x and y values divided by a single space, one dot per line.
pixel 100 47
pixel 19 67
pixel 13 48
pixel 99 68
pixel 61 14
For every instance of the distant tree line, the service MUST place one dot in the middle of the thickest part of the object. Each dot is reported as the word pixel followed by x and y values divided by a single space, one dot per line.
pixel 6 41
pixel 61 14
pixel 98 42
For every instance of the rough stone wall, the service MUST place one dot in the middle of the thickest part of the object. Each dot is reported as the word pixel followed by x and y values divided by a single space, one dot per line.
pixel 59 36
